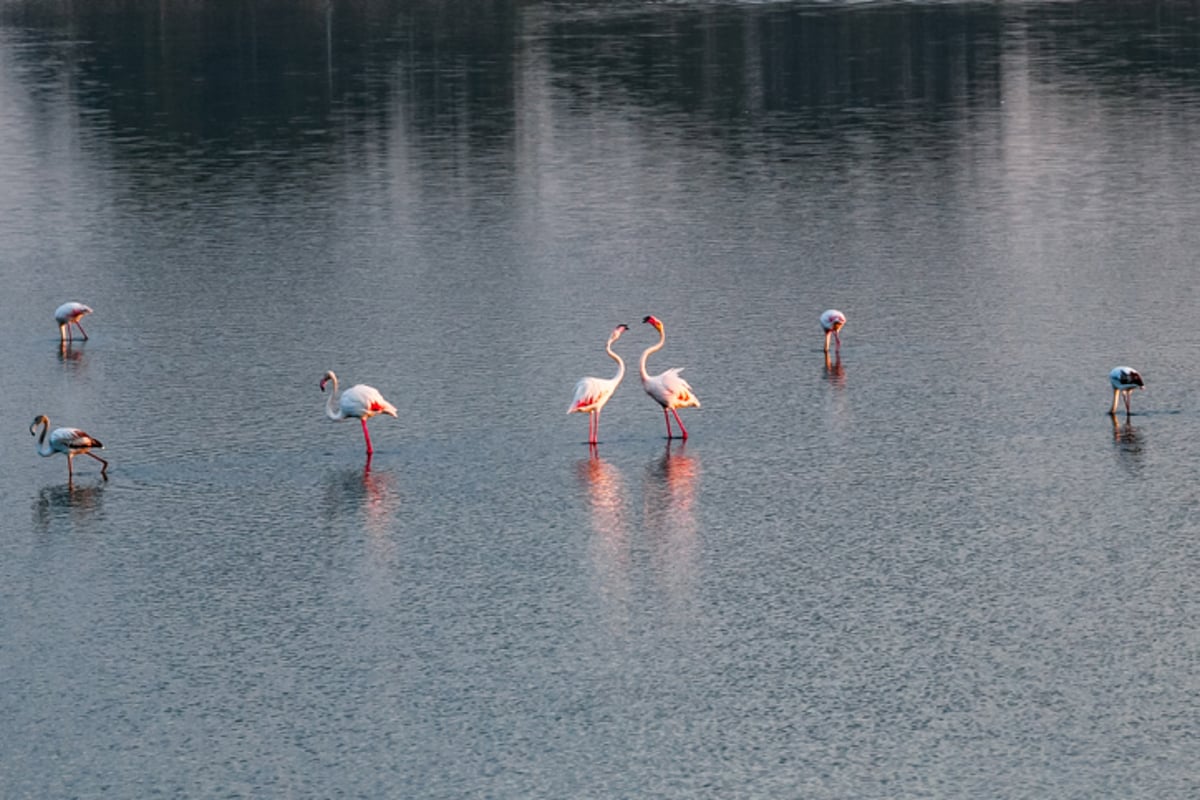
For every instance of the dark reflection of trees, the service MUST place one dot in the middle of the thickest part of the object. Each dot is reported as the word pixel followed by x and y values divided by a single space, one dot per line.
pixel 215 77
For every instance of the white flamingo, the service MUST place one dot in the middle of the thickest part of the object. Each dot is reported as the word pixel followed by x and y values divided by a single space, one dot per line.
pixel 592 393
pixel 70 442
pixel 832 322
pixel 668 389
pixel 69 314
pixel 1124 380
pixel 360 401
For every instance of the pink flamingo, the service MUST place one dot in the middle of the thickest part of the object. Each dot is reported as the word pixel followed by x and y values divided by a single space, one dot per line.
pixel 832 322
pixel 359 401
pixel 668 389
pixel 1124 380
pixel 70 442
pixel 592 393
pixel 69 314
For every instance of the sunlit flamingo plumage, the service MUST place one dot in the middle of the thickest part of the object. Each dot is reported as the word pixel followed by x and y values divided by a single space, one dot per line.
pixel 70 442
pixel 668 389
pixel 1124 380
pixel 69 314
pixel 592 393
pixel 832 322
pixel 359 401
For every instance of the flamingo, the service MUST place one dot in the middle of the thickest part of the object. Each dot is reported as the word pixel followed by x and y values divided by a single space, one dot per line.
pixel 69 314
pixel 668 389
pixel 832 322
pixel 592 393
pixel 69 441
pixel 1124 380
pixel 359 401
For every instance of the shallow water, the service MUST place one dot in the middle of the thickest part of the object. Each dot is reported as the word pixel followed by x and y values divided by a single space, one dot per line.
pixel 934 566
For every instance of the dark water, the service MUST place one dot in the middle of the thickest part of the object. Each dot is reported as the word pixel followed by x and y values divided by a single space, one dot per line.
pixel 934 568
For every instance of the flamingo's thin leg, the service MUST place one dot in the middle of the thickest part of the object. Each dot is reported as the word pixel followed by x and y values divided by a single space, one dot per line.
pixel 682 429
pixel 367 436
pixel 667 419
pixel 596 428
pixel 81 330
pixel 103 469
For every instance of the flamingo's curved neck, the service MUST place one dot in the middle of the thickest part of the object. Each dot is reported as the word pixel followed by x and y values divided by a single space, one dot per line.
pixel 43 446
pixel 620 363
pixel 662 339
pixel 332 409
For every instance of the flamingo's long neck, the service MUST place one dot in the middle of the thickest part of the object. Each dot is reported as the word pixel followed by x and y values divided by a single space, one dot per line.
pixel 43 448
pixel 332 409
pixel 662 339
pixel 620 363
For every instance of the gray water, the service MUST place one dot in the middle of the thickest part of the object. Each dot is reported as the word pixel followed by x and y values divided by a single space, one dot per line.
pixel 934 567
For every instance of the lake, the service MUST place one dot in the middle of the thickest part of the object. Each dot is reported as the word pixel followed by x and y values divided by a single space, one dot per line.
pixel 931 565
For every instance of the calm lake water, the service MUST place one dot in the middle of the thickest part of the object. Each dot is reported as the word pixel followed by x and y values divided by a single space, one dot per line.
pixel 934 567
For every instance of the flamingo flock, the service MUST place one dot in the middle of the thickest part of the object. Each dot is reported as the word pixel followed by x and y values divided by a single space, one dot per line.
pixel 668 389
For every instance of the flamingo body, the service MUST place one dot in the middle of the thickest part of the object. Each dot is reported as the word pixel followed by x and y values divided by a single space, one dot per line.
pixel 70 442
pixel 1124 380
pixel 592 393
pixel 69 314
pixel 668 388
pixel 359 401
pixel 832 322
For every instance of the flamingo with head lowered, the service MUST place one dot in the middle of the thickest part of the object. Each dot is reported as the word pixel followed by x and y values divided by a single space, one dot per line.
pixel 69 314
pixel 70 442
pixel 1124 380
pixel 592 393
pixel 668 389
pixel 832 322
pixel 360 401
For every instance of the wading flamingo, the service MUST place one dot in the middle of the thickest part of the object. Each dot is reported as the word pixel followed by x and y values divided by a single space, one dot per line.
pixel 70 442
pixel 832 322
pixel 592 393
pixel 360 401
pixel 1124 380
pixel 668 389
pixel 69 314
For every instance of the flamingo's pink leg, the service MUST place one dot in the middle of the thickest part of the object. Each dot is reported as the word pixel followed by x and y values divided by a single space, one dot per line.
pixel 667 419
pixel 682 429
pixel 81 330
pixel 103 469
pixel 596 430
pixel 367 436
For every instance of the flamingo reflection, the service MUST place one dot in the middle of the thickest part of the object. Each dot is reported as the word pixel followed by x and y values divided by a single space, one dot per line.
pixel 609 546
pixel 835 373
pixel 371 494
pixel 669 496
pixel 69 354
pixel 66 502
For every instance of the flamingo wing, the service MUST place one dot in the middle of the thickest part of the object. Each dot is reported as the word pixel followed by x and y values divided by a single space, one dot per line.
pixel 591 394
pixel 71 440
pixel 671 390
pixel 364 401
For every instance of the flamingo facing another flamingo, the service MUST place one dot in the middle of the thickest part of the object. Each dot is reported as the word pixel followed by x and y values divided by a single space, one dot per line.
pixel 668 389
pixel 832 322
pixel 360 401
pixel 70 442
pixel 1124 380
pixel 592 393
pixel 69 314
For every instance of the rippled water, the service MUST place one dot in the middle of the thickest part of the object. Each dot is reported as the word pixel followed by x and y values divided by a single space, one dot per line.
pixel 932 567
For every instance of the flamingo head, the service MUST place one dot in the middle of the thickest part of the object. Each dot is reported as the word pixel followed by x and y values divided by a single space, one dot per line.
pixel 617 331
pixel 326 378
pixel 657 325
pixel 38 420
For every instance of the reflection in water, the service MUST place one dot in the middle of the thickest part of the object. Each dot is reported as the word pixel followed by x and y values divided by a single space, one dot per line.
pixel 669 498
pixel 609 548
pixel 369 493
pixel 68 353
pixel 835 373
pixel 67 502
pixel 1128 442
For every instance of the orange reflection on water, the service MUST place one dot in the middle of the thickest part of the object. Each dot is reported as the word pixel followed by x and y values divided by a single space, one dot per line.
pixel 669 497
pixel 609 546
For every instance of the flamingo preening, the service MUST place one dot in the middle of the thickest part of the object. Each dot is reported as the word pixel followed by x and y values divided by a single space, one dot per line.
pixel 70 442
pixel 668 389
pixel 360 401
pixel 1124 380
pixel 832 322
pixel 592 393
pixel 69 314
